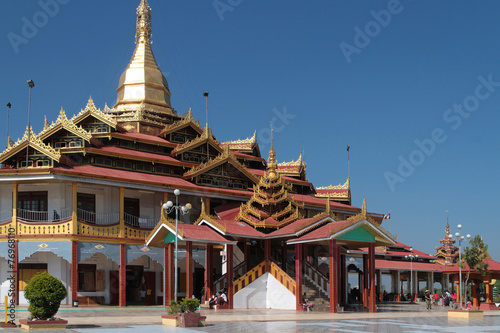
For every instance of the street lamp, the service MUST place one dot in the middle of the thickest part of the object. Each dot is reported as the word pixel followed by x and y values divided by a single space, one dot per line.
pixel 169 207
pixel 31 84
pixel 411 257
pixel 460 238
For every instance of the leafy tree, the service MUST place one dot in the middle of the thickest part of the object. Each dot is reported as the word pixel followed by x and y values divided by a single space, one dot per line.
pixel 44 294
pixel 475 257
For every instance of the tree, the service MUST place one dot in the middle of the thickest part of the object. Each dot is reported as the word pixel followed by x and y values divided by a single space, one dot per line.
pixel 475 257
pixel 44 294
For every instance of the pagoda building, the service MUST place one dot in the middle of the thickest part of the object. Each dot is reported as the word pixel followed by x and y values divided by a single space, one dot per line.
pixel 447 253
pixel 82 197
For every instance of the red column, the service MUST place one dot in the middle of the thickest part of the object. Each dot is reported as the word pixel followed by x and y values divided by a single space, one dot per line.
pixel 230 275
pixel 73 273
pixel 371 255
pixel 208 271
pixel 298 276
pixel 338 276
pixel 189 269
pixel 122 301
pixel 365 281
pixel 333 271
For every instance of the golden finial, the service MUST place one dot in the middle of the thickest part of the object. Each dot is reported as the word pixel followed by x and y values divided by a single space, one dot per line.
pixel 143 26
pixel 363 209
pixel 271 166
pixel 328 204
pixel 46 124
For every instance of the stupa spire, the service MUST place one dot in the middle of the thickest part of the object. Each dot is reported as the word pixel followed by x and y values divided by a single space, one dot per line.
pixel 271 166
pixel 143 25
pixel 142 82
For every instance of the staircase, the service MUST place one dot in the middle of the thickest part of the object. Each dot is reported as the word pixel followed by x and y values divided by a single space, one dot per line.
pixel 320 303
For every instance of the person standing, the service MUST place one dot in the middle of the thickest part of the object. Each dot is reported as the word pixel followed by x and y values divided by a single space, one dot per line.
pixel 427 298
pixel 436 297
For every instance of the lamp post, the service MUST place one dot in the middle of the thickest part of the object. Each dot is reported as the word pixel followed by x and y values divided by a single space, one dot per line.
pixel 168 207
pixel 411 257
pixel 31 84
pixel 8 111
pixel 460 238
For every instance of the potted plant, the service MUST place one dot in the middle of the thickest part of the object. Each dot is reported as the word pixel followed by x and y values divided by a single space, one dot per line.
pixel 184 314
pixel 44 294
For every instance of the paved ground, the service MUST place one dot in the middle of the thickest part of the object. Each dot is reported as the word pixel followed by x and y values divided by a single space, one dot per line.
pixel 391 317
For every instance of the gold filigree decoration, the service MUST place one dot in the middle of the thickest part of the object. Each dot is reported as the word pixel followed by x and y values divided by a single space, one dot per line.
pixel 344 186
pixel 90 109
pixel 299 162
pixel 209 218
pixel 252 139
pixel 34 142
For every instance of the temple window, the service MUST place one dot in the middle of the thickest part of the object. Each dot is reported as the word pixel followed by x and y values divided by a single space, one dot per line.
pixel 60 144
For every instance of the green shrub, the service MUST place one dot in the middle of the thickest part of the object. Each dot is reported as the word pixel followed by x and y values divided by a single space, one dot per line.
pixel 190 304
pixel 186 305
pixel 174 308
pixel 44 294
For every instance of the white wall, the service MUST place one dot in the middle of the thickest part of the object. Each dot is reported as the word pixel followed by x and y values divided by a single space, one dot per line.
pixel 6 195
pixel 265 293
pixel 56 266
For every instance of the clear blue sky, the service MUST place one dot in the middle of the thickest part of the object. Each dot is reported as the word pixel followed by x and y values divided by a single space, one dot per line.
pixel 377 75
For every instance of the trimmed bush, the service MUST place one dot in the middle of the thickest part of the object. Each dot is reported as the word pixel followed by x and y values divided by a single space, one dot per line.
pixel 44 294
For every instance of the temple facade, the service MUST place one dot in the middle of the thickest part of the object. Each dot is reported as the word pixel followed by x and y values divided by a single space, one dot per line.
pixel 83 200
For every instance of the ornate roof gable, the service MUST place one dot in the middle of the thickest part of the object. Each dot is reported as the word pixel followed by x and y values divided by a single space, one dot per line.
pixel 36 143
pixel 207 136
pixel 186 121
pixel 225 157
pixel 62 122
pixel 91 111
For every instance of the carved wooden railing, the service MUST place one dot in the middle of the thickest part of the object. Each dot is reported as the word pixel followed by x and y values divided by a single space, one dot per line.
pixel 98 230
pixel 5 228
pixel 49 228
pixel 317 278
pixel 238 270
pixel 283 278
pixel 249 276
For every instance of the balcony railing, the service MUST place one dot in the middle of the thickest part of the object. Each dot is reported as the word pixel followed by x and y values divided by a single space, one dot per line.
pixel 140 222
pixel 42 216
pixel 99 219
pixel 83 215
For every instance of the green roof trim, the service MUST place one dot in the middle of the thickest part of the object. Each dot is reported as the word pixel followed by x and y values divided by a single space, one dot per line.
pixel 359 234
pixel 169 238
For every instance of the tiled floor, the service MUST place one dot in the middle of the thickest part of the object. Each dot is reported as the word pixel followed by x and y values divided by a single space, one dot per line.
pixel 395 317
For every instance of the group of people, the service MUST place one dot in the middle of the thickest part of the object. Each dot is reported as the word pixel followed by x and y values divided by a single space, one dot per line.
pixel 217 299
pixel 433 299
